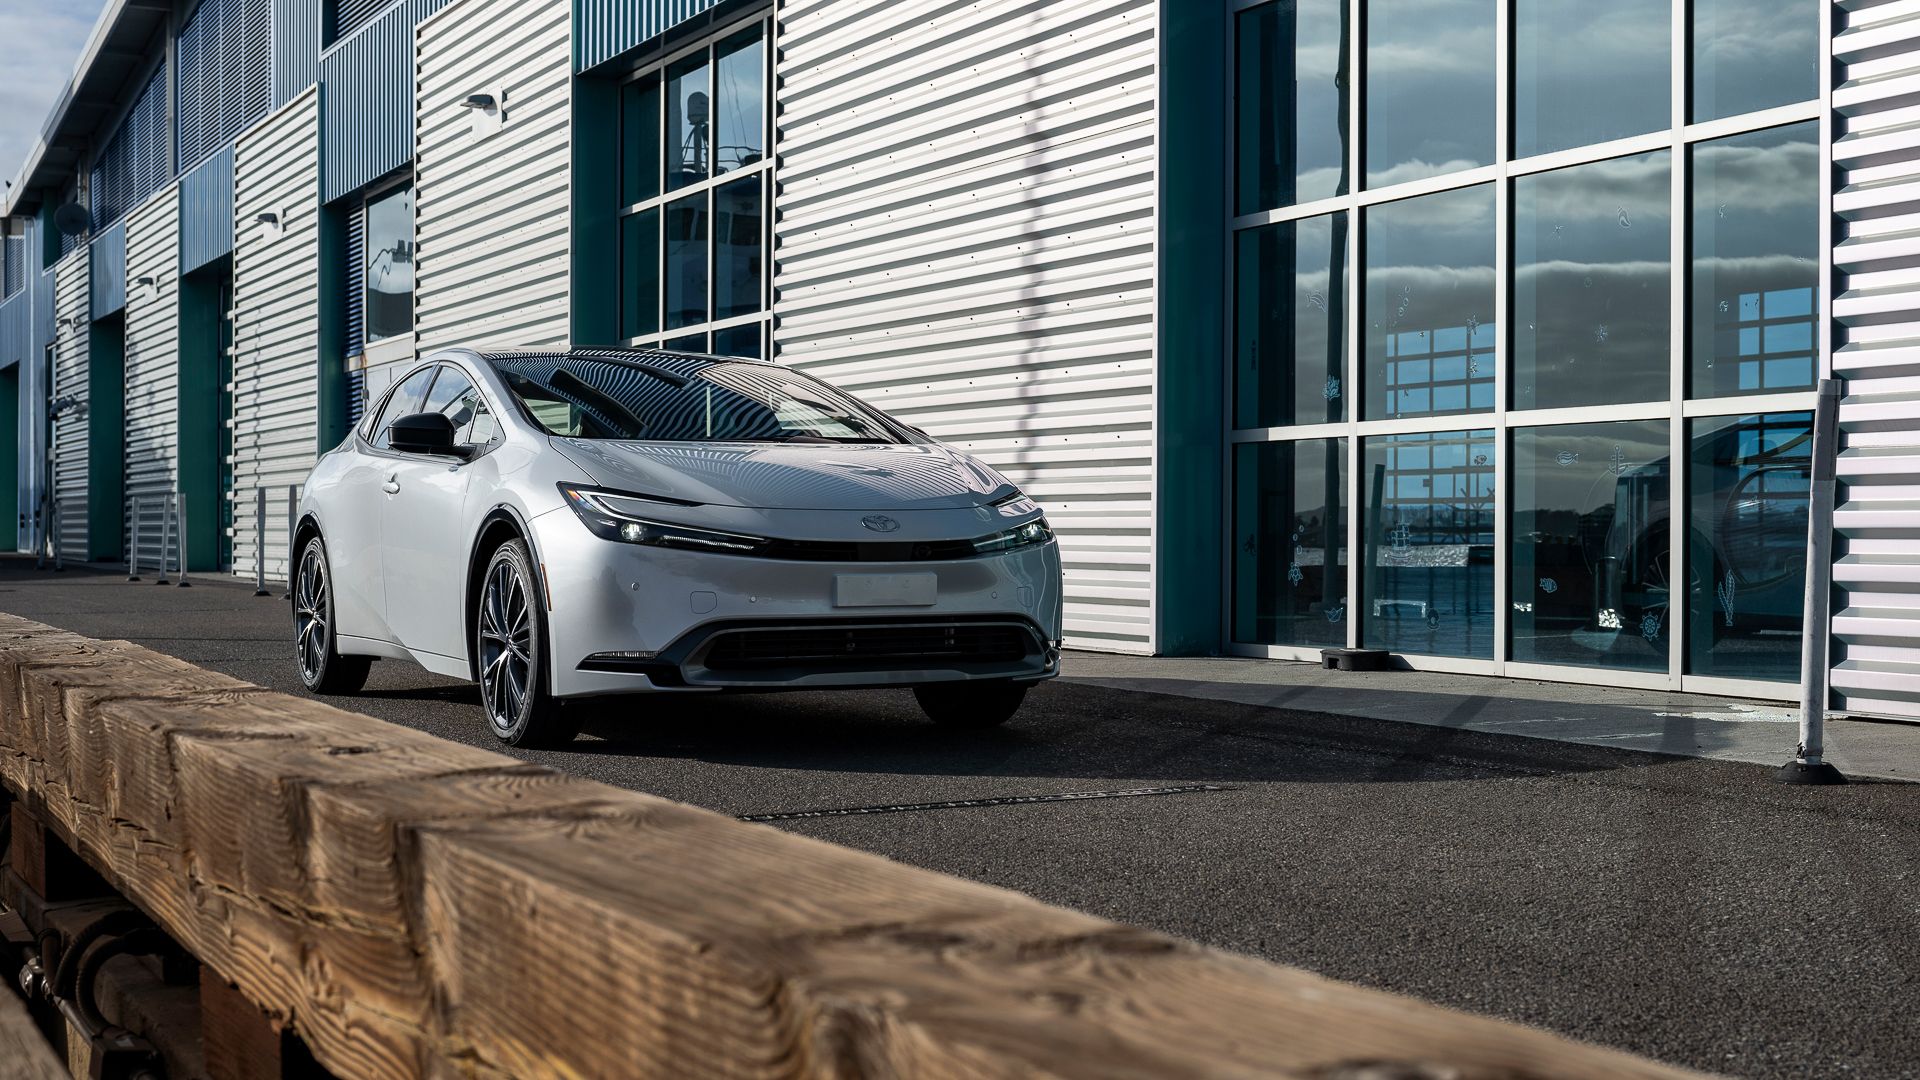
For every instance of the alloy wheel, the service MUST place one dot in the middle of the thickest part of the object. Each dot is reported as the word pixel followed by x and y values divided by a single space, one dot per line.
pixel 506 645
pixel 312 614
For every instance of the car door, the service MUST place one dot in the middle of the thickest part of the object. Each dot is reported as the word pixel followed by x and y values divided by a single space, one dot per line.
pixel 423 523
pixel 353 511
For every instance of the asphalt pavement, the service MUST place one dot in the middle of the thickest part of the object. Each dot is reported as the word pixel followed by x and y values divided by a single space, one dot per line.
pixel 1692 910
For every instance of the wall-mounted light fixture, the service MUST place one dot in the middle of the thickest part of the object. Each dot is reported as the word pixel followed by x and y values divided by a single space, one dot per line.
pixel 271 222
pixel 487 110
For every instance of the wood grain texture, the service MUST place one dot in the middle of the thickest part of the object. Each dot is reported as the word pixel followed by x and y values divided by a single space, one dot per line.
pixel 25 1053
pixel 414 907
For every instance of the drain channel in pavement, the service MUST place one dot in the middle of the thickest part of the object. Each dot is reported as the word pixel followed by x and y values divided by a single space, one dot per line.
pixel 1006 800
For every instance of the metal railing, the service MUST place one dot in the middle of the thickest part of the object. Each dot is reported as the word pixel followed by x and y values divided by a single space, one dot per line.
pixel 170 550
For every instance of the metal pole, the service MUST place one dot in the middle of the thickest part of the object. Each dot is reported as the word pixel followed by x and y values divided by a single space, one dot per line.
pixel 260 541
pixel 180 538
pixel 1809 765
pixel 293 516
pixel 165 524
pixel 59 566
pixel 133 550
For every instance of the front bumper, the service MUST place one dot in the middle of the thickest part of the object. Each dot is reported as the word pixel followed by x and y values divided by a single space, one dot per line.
pixel 627 618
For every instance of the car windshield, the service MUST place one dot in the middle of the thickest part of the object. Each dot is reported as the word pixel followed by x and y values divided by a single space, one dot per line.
pixel 669 398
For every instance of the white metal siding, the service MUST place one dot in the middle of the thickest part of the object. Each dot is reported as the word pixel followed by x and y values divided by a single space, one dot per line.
pixel 152 366
pixel 276 323
pixel 72 297
pixel 1878 624
pixel 491 212
pixel 966 239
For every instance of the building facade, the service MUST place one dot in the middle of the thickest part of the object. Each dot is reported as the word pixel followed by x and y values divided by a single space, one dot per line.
pixel 1487 332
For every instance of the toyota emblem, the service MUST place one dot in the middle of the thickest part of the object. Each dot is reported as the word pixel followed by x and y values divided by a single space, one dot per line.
pixel 880 523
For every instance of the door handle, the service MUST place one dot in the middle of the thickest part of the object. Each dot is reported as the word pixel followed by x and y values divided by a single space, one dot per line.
pixel 392 486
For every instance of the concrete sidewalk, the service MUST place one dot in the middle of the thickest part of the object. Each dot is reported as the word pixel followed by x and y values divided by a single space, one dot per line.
pixel 1688 725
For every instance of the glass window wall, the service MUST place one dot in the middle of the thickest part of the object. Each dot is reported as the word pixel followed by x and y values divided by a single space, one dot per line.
pixel 1289 560
pixel 1539 402
pixel 694 187
pixel 388 276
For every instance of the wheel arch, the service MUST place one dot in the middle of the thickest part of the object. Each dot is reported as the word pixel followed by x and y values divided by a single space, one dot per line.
pixel 500 524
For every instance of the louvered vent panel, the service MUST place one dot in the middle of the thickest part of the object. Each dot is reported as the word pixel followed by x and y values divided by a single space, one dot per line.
pixel 1877 624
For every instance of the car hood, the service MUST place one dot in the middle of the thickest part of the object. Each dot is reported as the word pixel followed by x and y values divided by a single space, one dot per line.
pixel 791 476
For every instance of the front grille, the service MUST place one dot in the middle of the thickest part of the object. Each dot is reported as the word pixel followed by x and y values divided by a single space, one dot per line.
pixel 867 647
pixel 868 550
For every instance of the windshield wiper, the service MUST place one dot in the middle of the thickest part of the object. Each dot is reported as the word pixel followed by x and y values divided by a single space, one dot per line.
pixel 592 397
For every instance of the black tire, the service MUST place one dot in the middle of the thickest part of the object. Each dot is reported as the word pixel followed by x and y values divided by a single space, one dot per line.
pixel 509 636
pixel 970 705
pixel 322 669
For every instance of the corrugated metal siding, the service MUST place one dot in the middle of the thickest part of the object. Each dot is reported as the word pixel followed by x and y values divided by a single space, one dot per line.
pixel 966 239
pixel 276 301
pixel 13 265
pixel 71 287
pixel 206 211
pixel 152 366
pixel 16 329
pixel 225 61
pixel 348 16
pixel 296 47
pixel 134 163
pixel 491 214
pixel 356 298
pixel 608 28
pixel 109 273
pixel 369 99
pixel 1877 625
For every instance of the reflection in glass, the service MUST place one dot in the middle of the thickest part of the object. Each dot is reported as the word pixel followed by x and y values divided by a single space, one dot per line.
pixel 1591 281
pixel 640 139
pixel 739 134
pixel 1429 305
pixel 1753 54
pixel 1427 573
pixel 737 237
pixel 1288 504
pixel 690 343
pixel 389 265
pixel 640 273
pixel 1756 262
pixel 1587 72
pixel 689 136
pixel 1747 545
pixel 1430 88
pixel 1590 583
pixel 738 341
pixel 1290 332
pixel 1291 103
pixel 687 261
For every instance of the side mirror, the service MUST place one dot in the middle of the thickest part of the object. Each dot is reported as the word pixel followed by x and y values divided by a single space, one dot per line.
pixel 423 433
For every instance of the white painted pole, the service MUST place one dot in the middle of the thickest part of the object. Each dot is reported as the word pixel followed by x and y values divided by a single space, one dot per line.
pixel 180 537
pixel 260 541
pixel 133 550
pixel 166 522
pixel 1809 765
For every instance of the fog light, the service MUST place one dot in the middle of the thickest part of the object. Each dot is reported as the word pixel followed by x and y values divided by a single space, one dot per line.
pixel 633 532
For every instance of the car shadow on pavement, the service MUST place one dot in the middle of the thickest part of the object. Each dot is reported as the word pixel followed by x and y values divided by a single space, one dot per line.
pixel 1077 730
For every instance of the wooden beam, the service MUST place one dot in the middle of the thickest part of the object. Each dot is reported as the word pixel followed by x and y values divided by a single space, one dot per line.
pixel 414 907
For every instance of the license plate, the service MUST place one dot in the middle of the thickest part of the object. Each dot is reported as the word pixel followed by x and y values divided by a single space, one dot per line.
pixel 885 590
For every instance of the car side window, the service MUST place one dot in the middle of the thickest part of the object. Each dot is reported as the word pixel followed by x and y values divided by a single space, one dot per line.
pixel 455 395
pixel 404 401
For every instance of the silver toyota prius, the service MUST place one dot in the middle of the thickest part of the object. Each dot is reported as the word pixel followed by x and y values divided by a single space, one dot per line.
pixel 569 525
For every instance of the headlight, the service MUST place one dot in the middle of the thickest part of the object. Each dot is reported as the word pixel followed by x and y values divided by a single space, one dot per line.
pixel 607 523
pixel 1033 532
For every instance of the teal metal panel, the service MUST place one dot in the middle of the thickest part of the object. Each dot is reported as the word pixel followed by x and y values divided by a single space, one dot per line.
pixel 296 47
pixel 108 269
pixel 206 211
pixel 604 29
pixel 366 126
pixel 224 58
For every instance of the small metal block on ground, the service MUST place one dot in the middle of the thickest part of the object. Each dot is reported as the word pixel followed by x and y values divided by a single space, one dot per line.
pixel 1354 659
